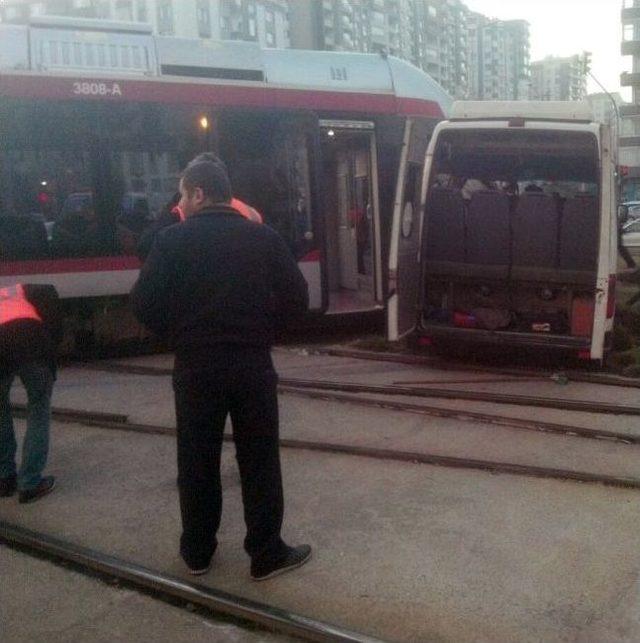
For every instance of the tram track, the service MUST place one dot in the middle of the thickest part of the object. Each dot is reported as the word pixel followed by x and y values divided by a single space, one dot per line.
pixel 605 379
pixel 564 404
pixel 107 421
pixel 171 587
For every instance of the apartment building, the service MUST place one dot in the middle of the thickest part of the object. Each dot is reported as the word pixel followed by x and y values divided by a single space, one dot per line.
pixel 263 21
pixel 498 58
pixel 557 78
pixel 429 33
pixel 629 154
pixel 452 44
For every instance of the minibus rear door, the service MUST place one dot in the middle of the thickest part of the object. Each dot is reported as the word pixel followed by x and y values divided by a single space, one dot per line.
pixel 404 256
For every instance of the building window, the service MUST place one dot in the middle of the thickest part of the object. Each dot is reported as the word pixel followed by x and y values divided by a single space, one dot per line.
pixel 629 32
pixel 165 18
pixel 141 11
pixel 270 27
pixel 252 28
pixel 204 18
pixel 124 10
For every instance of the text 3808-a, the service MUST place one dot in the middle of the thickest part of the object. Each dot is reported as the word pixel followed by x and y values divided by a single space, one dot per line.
pixel 97 89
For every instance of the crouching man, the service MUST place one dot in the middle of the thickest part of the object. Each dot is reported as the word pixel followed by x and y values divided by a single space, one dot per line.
pixel 30 331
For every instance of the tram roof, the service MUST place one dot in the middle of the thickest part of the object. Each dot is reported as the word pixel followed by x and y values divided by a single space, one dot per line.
pixel 29 47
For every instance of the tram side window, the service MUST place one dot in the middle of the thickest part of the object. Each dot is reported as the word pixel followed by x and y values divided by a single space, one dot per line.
pixel 80 180
pixel 149 145
pixel 49 169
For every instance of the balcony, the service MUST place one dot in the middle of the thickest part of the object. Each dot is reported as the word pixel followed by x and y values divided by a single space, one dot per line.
pixel 630 141
pixel 630 79
pixel 631 48
pixel 631 14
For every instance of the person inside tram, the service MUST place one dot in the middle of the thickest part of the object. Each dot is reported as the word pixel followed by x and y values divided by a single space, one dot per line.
pixel 131 224
pixel 76 231
pixel 23 237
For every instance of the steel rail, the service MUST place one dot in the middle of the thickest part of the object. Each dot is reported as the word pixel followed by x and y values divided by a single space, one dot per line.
pixel 413 391
pixel 605 379
pixel 467 416
pixel 143 578
pixel 390 455
pixel 98 418
pixel 474 396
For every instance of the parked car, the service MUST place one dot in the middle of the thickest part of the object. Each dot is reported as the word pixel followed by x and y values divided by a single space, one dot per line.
pixel 633 209
pixel 631 238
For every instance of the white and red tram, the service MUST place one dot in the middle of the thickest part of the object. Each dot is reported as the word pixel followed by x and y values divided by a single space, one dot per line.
pixel 97 119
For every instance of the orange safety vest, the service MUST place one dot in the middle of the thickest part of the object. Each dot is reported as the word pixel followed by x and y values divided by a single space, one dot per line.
pixel 15 305
pixel 240 206
pixel 246 211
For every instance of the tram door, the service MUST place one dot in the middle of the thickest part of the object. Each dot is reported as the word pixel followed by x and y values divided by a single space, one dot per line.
pixel 351 216
pixel 347 231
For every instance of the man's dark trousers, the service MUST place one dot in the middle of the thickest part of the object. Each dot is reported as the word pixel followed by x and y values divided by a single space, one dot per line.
pixel 239 381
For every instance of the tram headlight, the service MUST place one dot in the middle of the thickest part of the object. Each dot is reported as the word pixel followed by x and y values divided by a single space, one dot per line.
pixel 204 123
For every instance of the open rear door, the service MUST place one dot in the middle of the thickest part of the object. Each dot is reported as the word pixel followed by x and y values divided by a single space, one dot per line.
pixel 404 257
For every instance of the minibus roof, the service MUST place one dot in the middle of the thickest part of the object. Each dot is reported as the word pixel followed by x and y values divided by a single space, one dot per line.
pixel 575 111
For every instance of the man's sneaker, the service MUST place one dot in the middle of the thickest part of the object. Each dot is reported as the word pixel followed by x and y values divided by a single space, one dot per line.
pixel 8 486
pixel 44 487
pixel 293 558
pixel 199 572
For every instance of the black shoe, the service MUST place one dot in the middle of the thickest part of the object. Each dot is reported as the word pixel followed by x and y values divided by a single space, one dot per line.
pixel 45 487
pixel 293 558
pixel 199 571
pixel 198 565
pixel 8 486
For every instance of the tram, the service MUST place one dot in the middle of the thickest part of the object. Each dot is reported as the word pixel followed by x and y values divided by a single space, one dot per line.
pixel 97 119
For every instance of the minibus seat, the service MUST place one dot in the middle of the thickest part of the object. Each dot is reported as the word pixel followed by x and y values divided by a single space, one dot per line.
pixel 488 235
pixel 579 235
pixel 535 227
pixel 444 232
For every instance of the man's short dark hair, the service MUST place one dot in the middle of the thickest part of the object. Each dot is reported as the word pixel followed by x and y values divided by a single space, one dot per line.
pixel 211 178
pixel 208 156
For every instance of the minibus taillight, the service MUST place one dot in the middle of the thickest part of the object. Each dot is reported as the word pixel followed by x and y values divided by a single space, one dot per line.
pixel 611 297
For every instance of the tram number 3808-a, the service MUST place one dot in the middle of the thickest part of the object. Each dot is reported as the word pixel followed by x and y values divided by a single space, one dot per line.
pixel 97 89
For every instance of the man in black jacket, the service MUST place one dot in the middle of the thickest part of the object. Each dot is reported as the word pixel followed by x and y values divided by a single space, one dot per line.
pixel 220 287
pixel 30 330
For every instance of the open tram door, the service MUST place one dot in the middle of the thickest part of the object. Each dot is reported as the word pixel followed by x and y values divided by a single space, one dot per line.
pixel 351 216
pixel 406 232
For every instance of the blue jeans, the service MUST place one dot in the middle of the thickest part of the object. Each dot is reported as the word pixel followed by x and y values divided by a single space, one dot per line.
pixel 38 382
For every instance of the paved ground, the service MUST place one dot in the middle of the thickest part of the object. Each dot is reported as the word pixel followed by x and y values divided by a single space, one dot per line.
pixel 43 603
pixel 149 400
pixel 402 551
